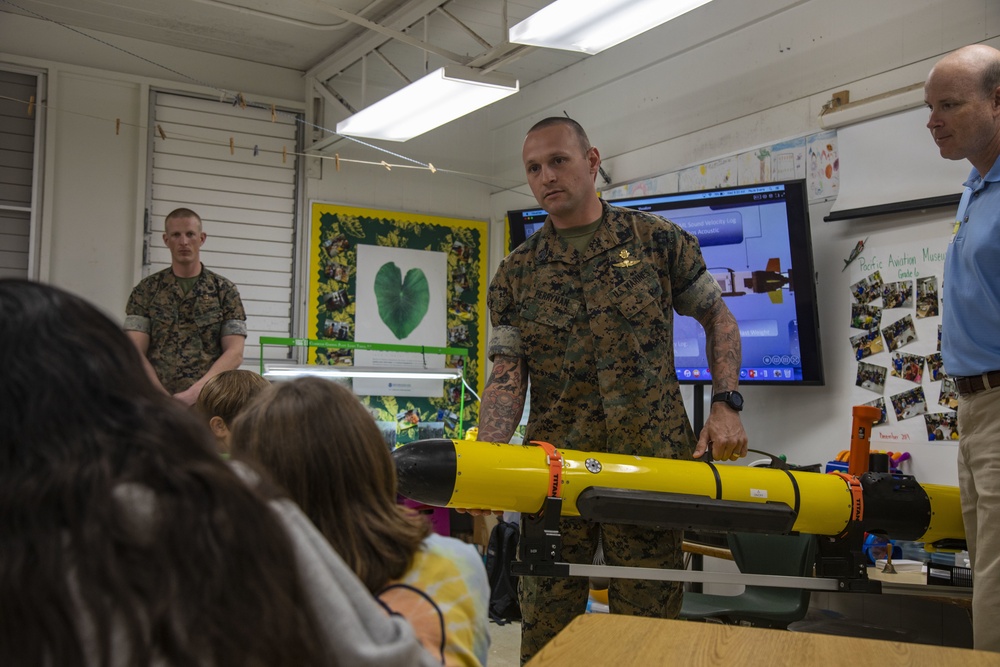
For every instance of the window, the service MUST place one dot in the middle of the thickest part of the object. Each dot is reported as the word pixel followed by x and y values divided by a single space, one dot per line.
pixel 247 201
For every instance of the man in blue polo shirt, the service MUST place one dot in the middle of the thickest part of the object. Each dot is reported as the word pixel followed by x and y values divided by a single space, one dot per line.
pixel 963 94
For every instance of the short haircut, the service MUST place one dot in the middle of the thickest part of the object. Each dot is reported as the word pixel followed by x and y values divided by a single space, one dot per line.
pixel 226 394
pixel 179 213
pixel 578 130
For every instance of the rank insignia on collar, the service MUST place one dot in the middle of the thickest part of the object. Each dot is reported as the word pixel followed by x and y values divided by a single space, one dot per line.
pixel 626 260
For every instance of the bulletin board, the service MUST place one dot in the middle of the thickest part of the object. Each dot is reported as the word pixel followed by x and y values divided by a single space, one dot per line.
pixel 895 283
pixel 401 278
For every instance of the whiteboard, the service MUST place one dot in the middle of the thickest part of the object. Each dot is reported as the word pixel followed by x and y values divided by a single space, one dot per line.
pixel 893 159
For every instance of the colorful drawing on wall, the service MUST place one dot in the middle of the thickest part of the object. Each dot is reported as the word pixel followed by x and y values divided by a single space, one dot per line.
pixel 823 160
pixel 783 161
pixel 716 174
pixel 401 278
pixel 661 185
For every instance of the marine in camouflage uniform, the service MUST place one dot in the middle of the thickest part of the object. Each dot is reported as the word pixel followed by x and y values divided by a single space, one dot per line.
pixel 185 330
pixel 596 332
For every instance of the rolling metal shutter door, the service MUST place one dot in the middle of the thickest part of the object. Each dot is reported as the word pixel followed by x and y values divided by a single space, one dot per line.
pixel 17 164
pixel 247 202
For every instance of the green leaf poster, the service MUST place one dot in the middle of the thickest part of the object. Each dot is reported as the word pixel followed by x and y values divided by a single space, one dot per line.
pixel 393 277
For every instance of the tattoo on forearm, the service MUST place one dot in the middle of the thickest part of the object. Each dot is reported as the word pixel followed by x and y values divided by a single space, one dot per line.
pixel 723 346
pixel 503 400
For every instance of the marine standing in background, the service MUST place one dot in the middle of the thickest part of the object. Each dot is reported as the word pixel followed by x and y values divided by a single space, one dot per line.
pixel 584 309
pixel 963 94
pixel 187 322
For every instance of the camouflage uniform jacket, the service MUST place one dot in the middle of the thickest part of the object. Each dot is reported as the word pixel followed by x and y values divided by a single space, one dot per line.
pixel 596 331
pixel 185 330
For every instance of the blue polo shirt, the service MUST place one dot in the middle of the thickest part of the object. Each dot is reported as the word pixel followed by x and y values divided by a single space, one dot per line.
pixel 970 320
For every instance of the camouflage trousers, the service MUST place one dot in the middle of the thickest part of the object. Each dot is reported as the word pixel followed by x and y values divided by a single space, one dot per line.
pixel 548 604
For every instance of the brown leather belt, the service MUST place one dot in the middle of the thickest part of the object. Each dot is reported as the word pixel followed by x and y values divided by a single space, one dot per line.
pixel 973 383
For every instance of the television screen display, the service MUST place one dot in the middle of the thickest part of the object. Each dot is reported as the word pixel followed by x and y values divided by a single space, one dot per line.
pixel 757 245
pixel 523 223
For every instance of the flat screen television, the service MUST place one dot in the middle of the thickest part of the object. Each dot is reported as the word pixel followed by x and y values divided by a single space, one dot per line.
pixel 523 223
pixel 757 245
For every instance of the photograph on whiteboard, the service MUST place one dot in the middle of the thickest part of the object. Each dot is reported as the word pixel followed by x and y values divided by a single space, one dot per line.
pixel 899 333
pixel 935 367
pixel 865 317
pixel 939 339
pixel 880 404
pixel 941 426
pixel 866 344
pixel 898 295
pixel 927 297
pixel 867 289
pixel 909 404
pixel 871 377
pixel 949 394
pixel 908 366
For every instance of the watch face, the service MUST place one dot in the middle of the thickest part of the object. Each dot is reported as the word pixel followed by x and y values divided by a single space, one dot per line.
pixel 733 399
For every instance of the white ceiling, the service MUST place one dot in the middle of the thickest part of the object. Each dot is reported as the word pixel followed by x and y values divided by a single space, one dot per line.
pixel 328 39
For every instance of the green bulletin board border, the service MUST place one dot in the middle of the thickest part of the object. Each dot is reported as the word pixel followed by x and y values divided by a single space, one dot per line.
pixel 336 232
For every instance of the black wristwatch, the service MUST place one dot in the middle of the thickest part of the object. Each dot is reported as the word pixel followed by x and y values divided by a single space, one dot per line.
pixel 733 399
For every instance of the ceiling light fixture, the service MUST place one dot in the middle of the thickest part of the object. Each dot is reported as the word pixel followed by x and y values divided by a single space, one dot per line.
pixel 438 98
pixel 591 26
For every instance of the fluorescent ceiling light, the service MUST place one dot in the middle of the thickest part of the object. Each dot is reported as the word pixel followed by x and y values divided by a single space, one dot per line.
pixel 343 372
pixel 592 26
pixel 438 98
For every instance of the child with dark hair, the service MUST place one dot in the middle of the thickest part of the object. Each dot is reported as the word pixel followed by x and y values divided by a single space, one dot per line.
pixel 128 541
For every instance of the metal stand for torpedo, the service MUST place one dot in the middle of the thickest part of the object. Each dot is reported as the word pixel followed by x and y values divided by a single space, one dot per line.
pixel 840 564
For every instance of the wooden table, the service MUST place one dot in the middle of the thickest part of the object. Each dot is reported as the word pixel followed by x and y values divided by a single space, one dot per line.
pixel 609 640
pixel 915 583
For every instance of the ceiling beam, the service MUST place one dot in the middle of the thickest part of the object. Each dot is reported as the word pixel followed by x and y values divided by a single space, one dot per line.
pixel 353 51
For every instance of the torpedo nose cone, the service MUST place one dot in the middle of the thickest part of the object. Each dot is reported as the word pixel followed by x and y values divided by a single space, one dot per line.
pixel 425 470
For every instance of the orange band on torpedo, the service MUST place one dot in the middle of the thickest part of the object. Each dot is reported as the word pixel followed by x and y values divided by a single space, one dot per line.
pixel 857 495
pixel 555 461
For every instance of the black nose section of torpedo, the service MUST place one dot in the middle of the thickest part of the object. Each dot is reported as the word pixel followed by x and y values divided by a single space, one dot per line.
pixel 425 470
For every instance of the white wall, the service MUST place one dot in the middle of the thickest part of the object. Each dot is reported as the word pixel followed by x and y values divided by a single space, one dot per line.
pixel 749 87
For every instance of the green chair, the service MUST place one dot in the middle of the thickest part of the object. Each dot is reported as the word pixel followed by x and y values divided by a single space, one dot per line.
pixel 763 606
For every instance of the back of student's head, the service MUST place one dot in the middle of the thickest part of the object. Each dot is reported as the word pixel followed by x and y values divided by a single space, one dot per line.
pixel 224 396
pixel 126 539
pixel 316 439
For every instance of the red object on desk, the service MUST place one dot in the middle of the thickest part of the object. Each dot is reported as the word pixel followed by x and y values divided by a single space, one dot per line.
pixel 861 435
